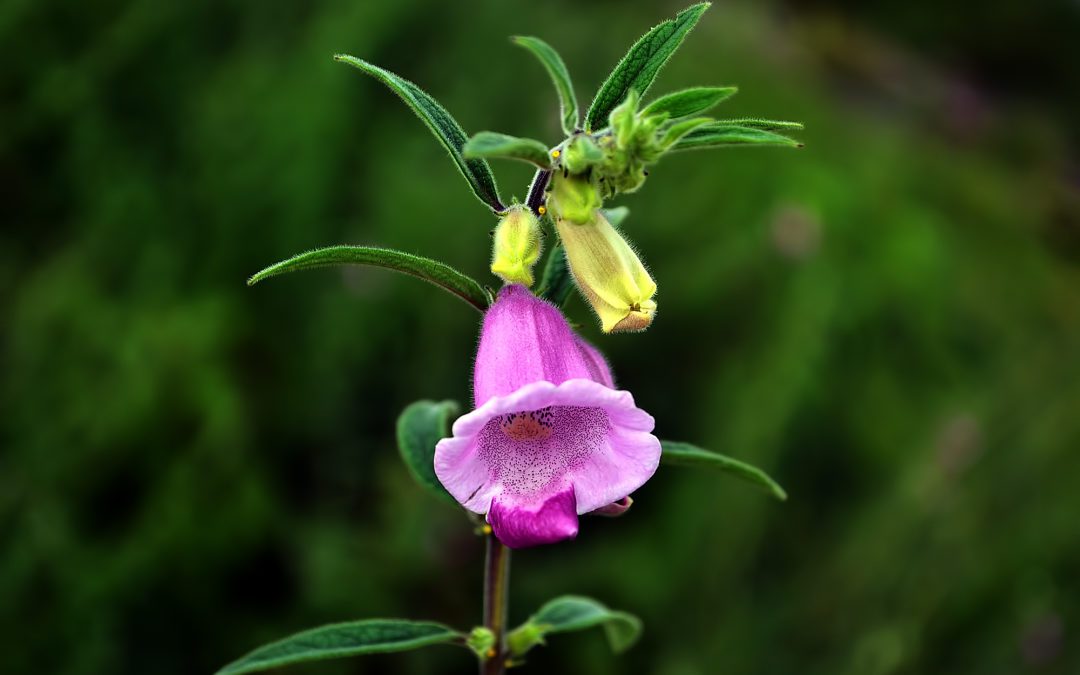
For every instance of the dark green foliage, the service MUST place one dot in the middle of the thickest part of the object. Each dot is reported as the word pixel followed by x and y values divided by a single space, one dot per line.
pixel 556 283
pixel 492 145
pixel 637 70
pixel 419 427
pixel 370 636
pixel 886 322
pixel 442 124
pixel 433 271
pixel 553 63
pixel 684 454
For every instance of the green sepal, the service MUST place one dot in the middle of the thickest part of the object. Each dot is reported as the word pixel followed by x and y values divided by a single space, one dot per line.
pixel 556 284
pixel 572 613
pixel 370 636
pixel 442 125
pixel 718 135
pixel 440 274
pixel 683 454
pixel 639 67
pixel 419 427
pixel 689 101
pixel 560 77
pixel 492 145
pixel 581 153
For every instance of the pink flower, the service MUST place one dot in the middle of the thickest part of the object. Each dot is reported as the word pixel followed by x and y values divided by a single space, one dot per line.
pixel 550 437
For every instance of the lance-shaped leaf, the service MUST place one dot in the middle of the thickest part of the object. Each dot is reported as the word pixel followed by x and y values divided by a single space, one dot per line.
pixel 419 427
pixel 689 101
pixel 371 636
pixel 763 124
pixel 639 67
pixel 442 124
pixel 680 129
pixel 491 145
pixel 684 454
pixel 440 274
pixel 719 135
pixel 571 613
pixel 560 77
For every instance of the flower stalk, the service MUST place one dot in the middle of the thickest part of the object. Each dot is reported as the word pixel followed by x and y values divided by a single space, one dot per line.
pixel 496 604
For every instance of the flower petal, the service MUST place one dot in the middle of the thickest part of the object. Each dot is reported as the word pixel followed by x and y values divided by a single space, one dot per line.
pixel 519 526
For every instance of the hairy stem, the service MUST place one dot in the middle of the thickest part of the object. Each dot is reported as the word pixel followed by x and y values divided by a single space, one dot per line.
pixel 496 598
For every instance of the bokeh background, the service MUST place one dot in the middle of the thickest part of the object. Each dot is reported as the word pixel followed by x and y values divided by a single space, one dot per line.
pixel 887 320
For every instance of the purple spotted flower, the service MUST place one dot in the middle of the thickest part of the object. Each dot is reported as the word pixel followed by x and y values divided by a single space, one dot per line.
pixel 550 437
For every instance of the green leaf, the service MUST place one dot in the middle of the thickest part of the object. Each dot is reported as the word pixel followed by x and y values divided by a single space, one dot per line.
pixel 680 129
pixel 763 124
pixel 572 613
pixel 490 145
pixel 442 124
pixel 719 135
pixel 556 284
pixel 689 101
pixel 639 67
pixel 560 77
pixel 438 273
pixel 371 636
pixel 419 427
pixel 684 454
pixel 616 215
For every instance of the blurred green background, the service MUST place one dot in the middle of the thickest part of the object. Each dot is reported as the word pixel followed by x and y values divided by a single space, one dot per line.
pixel 887 320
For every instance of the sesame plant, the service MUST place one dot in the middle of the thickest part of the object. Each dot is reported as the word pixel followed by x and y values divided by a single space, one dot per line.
pixel 550 437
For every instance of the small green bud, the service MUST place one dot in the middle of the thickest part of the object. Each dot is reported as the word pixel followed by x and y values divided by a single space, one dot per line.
pixel 482 641
pixel 525 637
pixel 624 119
pixel 516 247
pixel 574 198
pixel 581 154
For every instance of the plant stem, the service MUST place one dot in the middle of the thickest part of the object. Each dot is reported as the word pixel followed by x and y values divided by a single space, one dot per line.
pixel 496 599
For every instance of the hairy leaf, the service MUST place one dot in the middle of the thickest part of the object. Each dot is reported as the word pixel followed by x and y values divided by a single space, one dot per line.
pixel 442 124
pixel 763 124
pixel 371 636
pixel 419 427
pixel 573 612
pixel 680 129
pixel 440 274
pixel 491 145
pixel 684 454
pixel 689 101
pixel 639 67
pixel 718 135
pixel 560 77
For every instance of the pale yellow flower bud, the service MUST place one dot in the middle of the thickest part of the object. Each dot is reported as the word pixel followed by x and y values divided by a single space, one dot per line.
pixel 609 274
pixel 516 247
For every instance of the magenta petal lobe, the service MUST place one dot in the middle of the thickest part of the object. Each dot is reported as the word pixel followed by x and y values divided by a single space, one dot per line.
pixel 519 526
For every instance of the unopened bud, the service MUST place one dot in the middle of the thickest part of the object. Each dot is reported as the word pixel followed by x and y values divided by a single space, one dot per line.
pixel 574 198
pixel 516 247
pixel 582 153
pixel 609 274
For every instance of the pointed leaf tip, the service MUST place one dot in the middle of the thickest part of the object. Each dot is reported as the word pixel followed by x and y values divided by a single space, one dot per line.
pixel 560 77
pixel 441 123
pixel 685 454
pixel 432 271
pixel 573 613
pixel 642 63
pixel 370 636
